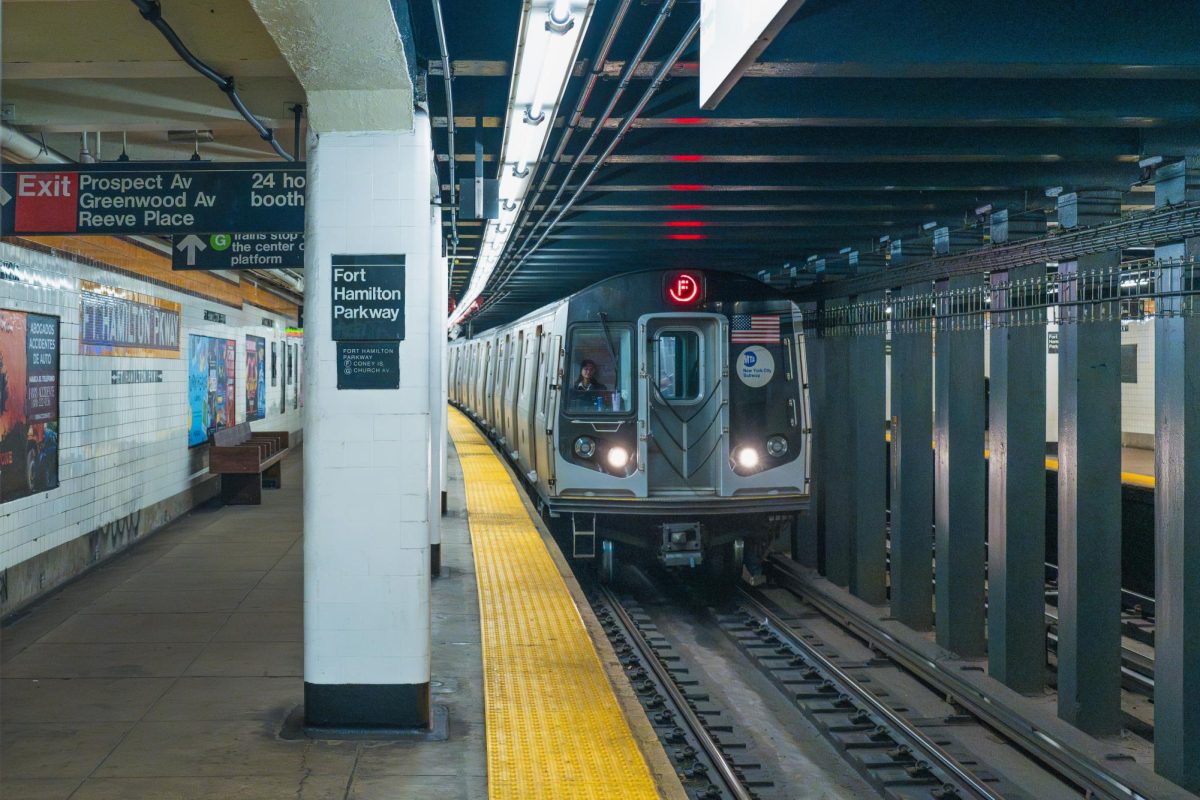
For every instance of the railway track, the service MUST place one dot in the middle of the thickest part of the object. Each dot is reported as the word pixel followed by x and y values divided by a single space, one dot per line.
pixel 707 765
pixel 1095 779
pixel 900 758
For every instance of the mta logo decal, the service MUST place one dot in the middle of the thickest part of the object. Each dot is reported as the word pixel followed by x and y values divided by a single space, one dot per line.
pixel 751 359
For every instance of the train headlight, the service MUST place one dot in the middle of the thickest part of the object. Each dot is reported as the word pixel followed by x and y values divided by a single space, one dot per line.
pixel 777 446
pixel 618 457
pixel 747 458
pixel 585 447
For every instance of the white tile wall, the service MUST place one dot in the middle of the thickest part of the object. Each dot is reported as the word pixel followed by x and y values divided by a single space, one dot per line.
pixel 1137 399
pixel 121 448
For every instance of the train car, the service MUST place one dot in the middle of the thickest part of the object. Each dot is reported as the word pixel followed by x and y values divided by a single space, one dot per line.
pixel 657 414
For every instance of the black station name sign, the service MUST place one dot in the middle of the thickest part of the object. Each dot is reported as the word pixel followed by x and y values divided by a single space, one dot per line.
pixel 123 198
pixel 214 316
pixel 368 365
pixel 368 298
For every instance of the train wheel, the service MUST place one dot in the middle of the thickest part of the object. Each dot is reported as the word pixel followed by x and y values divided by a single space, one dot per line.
pixel 606 562
pixel 724 562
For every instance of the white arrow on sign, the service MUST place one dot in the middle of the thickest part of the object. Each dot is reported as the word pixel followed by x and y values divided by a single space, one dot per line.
pixel 4 197
pixel 191 244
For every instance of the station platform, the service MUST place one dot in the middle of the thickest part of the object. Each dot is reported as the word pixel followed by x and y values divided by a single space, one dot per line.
pixel 169 671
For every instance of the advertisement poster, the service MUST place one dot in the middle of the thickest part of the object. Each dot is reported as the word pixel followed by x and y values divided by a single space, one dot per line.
pixel 212 379
pixel 28 404
pixel 274 363
pixel 256 378
pixel 117 322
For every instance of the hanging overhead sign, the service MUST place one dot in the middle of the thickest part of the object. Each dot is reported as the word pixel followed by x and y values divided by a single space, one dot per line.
pixel 238 251
pixel 126 198
pixel 733 34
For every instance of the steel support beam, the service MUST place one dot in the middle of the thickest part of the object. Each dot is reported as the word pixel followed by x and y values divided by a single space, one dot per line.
pixel 912 458
pixel 838 462
pixel 1177 525
pixel 869 573
pixel 960 481
pixel 1017 482
pixel 1142 230
pixel 1089 506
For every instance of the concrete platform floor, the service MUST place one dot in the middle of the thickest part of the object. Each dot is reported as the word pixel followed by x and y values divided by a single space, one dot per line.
pixel 167 673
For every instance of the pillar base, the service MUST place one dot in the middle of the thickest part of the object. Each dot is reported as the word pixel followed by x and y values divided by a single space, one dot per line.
pixel 366 706
pixel 435 559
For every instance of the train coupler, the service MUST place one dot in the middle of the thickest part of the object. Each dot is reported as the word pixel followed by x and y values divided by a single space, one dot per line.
pixel 681 544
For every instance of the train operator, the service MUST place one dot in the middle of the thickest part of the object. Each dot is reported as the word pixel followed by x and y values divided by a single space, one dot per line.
pixel 587 381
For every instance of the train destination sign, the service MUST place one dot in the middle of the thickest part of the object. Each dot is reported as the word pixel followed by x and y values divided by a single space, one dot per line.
pixel 124 198
pixel 238 251
pixel 368 298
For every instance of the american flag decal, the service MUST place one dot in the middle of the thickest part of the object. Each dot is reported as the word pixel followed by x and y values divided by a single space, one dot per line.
pixel 754 329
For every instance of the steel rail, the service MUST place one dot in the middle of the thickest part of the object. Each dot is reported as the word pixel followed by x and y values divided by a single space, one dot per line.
pixel 930 748
pixel 1074 766
pixel 703 737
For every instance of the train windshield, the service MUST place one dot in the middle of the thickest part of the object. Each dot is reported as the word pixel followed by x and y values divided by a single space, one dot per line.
pixel 600 370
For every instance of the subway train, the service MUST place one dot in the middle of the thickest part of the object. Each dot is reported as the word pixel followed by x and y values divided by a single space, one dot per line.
pixel 655 415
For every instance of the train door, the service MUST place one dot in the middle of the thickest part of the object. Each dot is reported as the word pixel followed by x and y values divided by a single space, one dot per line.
pixel 549 380
pixel 525 405
pixel 514 389
pixel 495 406
pixel 682 402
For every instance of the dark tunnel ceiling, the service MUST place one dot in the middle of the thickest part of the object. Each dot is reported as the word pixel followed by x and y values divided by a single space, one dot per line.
pixel 860 120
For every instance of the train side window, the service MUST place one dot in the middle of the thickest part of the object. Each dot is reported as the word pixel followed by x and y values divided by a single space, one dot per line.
pixel 600 370
pixel 677 361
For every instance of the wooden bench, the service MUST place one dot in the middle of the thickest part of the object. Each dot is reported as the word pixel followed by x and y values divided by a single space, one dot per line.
pixel 247 461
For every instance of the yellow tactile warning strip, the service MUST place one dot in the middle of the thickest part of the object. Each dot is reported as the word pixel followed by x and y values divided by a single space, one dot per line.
pixel 554 728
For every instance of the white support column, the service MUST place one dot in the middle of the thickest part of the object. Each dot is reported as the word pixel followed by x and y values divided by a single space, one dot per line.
pixel 437 387
pixel 367 453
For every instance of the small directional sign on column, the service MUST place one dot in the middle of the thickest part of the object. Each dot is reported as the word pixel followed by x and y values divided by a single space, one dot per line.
pixel 238 251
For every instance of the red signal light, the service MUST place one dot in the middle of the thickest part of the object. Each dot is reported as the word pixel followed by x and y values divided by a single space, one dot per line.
pixel 683 288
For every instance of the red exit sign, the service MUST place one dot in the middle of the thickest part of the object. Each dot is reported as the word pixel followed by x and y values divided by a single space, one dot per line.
pixel 683 288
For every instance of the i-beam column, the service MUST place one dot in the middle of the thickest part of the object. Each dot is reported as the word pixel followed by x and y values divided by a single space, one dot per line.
pixel 867 399
pixel 912 458
pixel 1177 520
pixel 838 462
pixel 1017 480
pixel 1089 476
pixel 960 471
pixel 1089 496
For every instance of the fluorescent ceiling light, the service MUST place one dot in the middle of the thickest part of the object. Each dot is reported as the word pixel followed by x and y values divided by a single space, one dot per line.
pixel 547 48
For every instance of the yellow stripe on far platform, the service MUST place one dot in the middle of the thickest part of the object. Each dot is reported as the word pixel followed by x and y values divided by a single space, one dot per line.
pixel 554 727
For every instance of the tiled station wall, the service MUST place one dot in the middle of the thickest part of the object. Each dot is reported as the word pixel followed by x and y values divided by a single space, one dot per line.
pixel 124 462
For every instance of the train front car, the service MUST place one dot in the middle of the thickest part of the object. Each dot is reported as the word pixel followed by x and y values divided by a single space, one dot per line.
pixel 682 427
